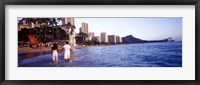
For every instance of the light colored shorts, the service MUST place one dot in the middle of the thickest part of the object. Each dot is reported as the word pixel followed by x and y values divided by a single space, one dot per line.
pixel 66 55
pixel 55 55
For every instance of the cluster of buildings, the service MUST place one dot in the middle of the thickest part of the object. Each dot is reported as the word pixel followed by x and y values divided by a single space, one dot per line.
pixel 68 20
pixel 70 30
pixel 110 38
pixel 27 24
pixel 103 38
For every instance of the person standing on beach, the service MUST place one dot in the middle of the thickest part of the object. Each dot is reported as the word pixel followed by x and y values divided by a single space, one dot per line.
pixel 55 53
pixel 67 50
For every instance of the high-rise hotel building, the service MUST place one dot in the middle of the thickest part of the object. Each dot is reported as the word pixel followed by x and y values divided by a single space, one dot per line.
pixel 84 28
pixel 104 37
pixel 118 39
pixel 68 20
pixel 112 39
pixel 90 35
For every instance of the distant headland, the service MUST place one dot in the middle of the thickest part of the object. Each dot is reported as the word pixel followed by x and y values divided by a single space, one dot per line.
pixel 131 39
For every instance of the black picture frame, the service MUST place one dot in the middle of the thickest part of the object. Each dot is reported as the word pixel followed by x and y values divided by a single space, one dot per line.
pixel 98 2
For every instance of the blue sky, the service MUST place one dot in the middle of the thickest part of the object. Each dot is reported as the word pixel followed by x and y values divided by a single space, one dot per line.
pixel 143 28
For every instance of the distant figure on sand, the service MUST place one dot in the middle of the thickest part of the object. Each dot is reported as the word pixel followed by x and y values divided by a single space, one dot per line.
pixel 67 49
pixel 55 53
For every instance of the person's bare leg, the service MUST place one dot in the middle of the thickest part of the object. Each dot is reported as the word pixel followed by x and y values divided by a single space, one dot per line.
pixel 53 61
pixel 66 60
pixel 56 62
pixel 56 59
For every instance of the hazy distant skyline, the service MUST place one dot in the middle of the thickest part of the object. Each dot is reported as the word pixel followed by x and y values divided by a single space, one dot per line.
pixel 143 28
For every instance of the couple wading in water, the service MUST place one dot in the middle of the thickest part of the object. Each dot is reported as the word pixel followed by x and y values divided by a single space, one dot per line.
pixel 66 48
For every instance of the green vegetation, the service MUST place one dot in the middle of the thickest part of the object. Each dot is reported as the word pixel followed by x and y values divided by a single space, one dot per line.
pixel 47 32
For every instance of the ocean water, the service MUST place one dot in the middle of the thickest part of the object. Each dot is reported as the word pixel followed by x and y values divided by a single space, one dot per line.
pixel 160 54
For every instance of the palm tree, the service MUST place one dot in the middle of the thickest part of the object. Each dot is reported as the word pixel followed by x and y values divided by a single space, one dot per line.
pixel 44 22
pixel 53 21
pixel 71 32
pixel 57 34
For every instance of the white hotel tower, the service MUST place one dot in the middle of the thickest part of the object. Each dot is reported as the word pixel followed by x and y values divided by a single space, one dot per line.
pixel 104 37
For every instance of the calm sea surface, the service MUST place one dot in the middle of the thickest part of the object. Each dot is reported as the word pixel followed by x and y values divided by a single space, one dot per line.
pixel 161 54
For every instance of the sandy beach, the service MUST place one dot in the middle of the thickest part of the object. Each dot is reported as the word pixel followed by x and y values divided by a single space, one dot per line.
pixel 29 49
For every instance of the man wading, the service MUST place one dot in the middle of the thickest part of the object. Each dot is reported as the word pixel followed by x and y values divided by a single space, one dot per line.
pixel 67 49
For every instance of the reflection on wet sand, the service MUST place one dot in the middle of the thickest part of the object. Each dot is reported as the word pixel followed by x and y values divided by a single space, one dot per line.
pixel 43 58
pixel 23 56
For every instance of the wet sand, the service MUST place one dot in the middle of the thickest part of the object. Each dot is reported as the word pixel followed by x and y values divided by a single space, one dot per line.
pixel 28 49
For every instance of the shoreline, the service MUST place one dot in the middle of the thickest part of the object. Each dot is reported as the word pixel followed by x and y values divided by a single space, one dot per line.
pixel 28 49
